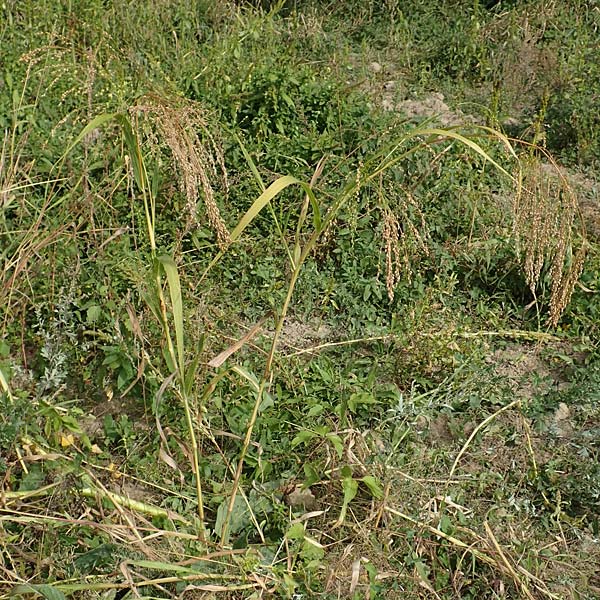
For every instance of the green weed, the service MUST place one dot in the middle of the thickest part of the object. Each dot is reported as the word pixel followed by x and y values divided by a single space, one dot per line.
pixel 264 334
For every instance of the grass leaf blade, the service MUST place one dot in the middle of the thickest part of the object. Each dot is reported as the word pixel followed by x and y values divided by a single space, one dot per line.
pixel 95 123
pixel 172 274
pixel 42 589
pixel 275 188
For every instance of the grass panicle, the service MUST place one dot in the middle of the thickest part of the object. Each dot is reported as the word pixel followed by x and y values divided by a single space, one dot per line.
pixel 545 211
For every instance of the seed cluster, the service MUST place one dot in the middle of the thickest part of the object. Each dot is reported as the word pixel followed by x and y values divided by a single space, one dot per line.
pixel 183 127
pixel 545 210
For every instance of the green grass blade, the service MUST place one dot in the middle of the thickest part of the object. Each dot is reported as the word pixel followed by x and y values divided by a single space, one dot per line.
pixel 130 141
pixel 250 162
pixel 275 188
pixel 314 205
pixel 93 124
pixel 249 377
pixel 392 157
pixel 42 589
pixel 172 274
pixel 135 152
pixel 192 367
pixel 263 200
pixel 162 566
pixel 137 161
pixel 473 145
pixel 4 385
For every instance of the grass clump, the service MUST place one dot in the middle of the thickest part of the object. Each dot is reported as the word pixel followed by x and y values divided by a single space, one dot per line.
pixel 273 326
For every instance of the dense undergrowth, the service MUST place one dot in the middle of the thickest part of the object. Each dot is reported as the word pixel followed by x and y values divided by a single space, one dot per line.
pixel 299 299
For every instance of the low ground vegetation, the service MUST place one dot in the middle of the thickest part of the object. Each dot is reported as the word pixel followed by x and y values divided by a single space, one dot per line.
pixel 299 300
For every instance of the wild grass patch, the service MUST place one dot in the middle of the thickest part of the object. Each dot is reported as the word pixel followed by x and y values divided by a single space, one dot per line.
pixel 264 336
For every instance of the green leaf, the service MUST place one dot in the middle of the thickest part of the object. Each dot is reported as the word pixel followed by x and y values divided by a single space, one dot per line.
pixel 311 475
pixel 192 368
pixel 423 570
pixel 371 569
pixel 250 162
pixel 297 255
pixel 346 471
pixel 315 206
pixel 170 268
pixel 316 410
pixel 33 480
pixel 4 384
pixel 93 314
pixel 161 566
pixel 303 437
pixel 336 440
pixel 359 398
pixel 135 152
pixel 311 550
pixel 248 376
pixel 446 525
pixel 390 159
pixel 287 99
pixel 168 359
pixel 373 485
pixel 267 402
pixel 93 124
pixel 350 488
pixel 42 589
pixel 277 186
pixel 101 556
pixel 240 516
pixel 295 532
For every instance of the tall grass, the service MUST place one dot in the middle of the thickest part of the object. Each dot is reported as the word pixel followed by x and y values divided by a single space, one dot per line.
pixel 308 232
pixel 163 138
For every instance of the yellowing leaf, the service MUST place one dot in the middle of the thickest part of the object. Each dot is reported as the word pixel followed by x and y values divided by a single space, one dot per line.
pixel 67 440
